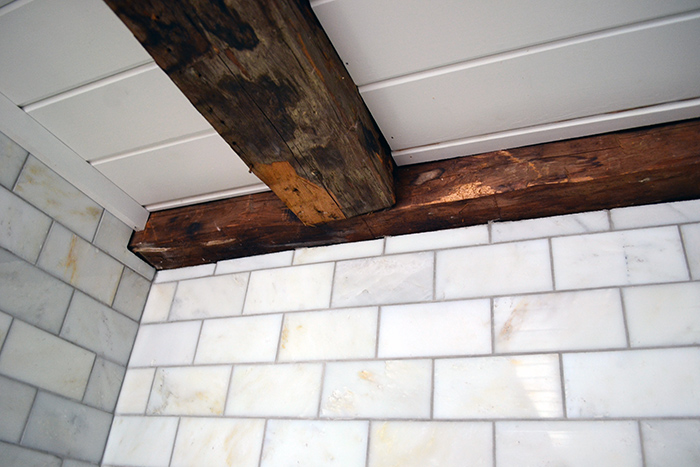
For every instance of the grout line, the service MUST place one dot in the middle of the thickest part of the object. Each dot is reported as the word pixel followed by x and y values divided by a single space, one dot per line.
pixel 43 243
pixel 116 291
pixel 99 225
pixel 551 263
pixel 65 317
pixel 172 450
pixel 172 302
pixel 379 323
pixel 489 228
pixel 685 253
pixel 150 393
pixel 87 383
pixel 320 392
pixel 434 276
pixel 23 167
pixel 330 299
pixel 7 334
pixel 641 442
pixel 279 338
pixel 493 326
pixel 369 438
pixel 29 415
pixel 432 388
pixel 196 346
pixel 493 442
pixel 562 385
pixel 228 389
pixel 245 294
pixel 262 443
pixel 623 308
pixel 611 223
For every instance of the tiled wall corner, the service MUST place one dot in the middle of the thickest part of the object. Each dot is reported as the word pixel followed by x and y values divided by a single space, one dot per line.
pixel 571 340
pixel 71 297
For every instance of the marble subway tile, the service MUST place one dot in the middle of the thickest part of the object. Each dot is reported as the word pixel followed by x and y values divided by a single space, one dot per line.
pixel 586 222
pixel 103 387
pixel 434 329
pixel 426 444
pixel 142 441
pixel 46 190
pixel 384 280
pixel 135 390
pixel 189 391
pixel 43 360
pixel 493 270
pixel 633 217
pixel 580 443
pixel 559 321
pixel 131 294
pixel 526 386
pixel 165 344
pixel 77 262
pixel 245 339
pixel 5 321
pixel 671 442
pixel 619 258
pixel 329 335
pixel 691 240
pixel 30 294
pixel 377 389
pixel 67 428
pixel 633 383
pixel 315 443
pixel 667 314
pixel 289 289
pixel 209 297
pixel 158 303
pixel 113 237
pixel 12 455
pixel 97 327
pixel 289 390
pixel 252 263
pixel 216 441
pixel 15 402
pixel 23 228
pixel 441 239
pixel 12 157
pixel 180 274
pixel 74 463
pixel 339 252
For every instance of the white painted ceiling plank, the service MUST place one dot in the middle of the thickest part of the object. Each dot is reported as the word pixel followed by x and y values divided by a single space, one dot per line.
pixel 246 190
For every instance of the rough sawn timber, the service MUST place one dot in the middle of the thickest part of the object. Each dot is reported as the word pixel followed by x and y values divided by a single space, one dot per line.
pixel 266 77
pixel 642 166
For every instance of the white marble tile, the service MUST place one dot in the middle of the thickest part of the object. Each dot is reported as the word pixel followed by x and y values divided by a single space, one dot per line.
pixel 212 442
pixel 179 274
pixel 667 314
pixel 23 228
pixel 586 222
pixel 252 263
pixel 290 390
pixel 5 321
pixel 12 157
pixel 43 360
pixel 384 280
pixel 559 321
pixel 339 252
pixel 165 344
pixel 656 214
pixel 329 335
pixel 671 442
pixel 289 289
pixel 433 329
pixel 619 258
pixel 131 294
pixel 242 339
pixel 209 297
pixel 377 389
pixel 315 443
pixel 113 237
pixel 493 270
pixel 16 400
pixel 430 444
pixel 13 455
pixel 46 190
pixel 633 383
pixel 691 240
pixel 160 298
pixel 189 391
pixel 575 444
pixel 135 390
pixel 142 441
pixel 441 239
pixel 498 387
pixel 104 384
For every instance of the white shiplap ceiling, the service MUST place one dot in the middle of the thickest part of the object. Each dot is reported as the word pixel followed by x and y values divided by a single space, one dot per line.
pixel 443 79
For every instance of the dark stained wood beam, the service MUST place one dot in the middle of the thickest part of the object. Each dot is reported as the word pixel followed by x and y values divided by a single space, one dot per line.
pixel 266 77
pixel 634 167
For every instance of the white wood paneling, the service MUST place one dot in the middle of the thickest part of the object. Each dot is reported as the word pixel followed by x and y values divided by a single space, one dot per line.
pixel 380 39
pixel 633 67
pixel 49 46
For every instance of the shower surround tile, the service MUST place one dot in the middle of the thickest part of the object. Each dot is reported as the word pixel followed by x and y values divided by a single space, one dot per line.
pixel 209 297
pixel 341 251
pixel 632 217
pixel 245 339
pixel 691 240
pixel 252 263
pixel 158 303
pixel 189 391
pixel 586 222
pixel 671 442
pixel 440 239
pixel 135 390
pixel 142 441
pixel 23 228
pixel 15 402
pixel 165 344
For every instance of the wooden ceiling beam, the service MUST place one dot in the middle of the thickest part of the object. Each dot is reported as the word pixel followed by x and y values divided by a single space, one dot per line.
pixel 642 166
pixel 266 77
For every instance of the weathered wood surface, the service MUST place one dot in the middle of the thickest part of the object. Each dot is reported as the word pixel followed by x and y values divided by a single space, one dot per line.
pixel 267 78
pixel 642 166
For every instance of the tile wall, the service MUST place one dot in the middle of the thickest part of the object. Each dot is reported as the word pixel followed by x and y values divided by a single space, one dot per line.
pixel 71 297
pixel 570 340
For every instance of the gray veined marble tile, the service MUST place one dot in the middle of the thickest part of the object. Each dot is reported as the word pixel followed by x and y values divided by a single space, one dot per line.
pixel 12 455
pixel 250 339
pixel 252 263
pixel 46 190
pixel 15 402
pixel 189 391
pixel 103 387
pixel 131 294
pixel 77 262
pixel 656 214
pixel 113 237
pixel 438 240
pixel 23 228
pixel 180 274
pixel 30 294
pixel 209 297
pixel 143 441
pixel 671 442
pixel 12 157
pixel 133 396
pixel 339 252
pixel 580 223
pixel 158 303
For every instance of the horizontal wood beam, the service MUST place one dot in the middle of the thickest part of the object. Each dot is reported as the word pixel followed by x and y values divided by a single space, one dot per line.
pixel 642 166
pixel 266 77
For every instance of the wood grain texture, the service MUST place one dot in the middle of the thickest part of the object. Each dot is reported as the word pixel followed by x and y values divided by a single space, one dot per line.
pixel 641 166
pixel 265 76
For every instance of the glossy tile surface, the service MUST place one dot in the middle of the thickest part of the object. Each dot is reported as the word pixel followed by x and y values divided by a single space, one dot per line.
pixel 240 339
pixel 671 442
pixel 146 441
pixel 441 239
pixel 189 391
pixel 209 297
pixel 289 289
